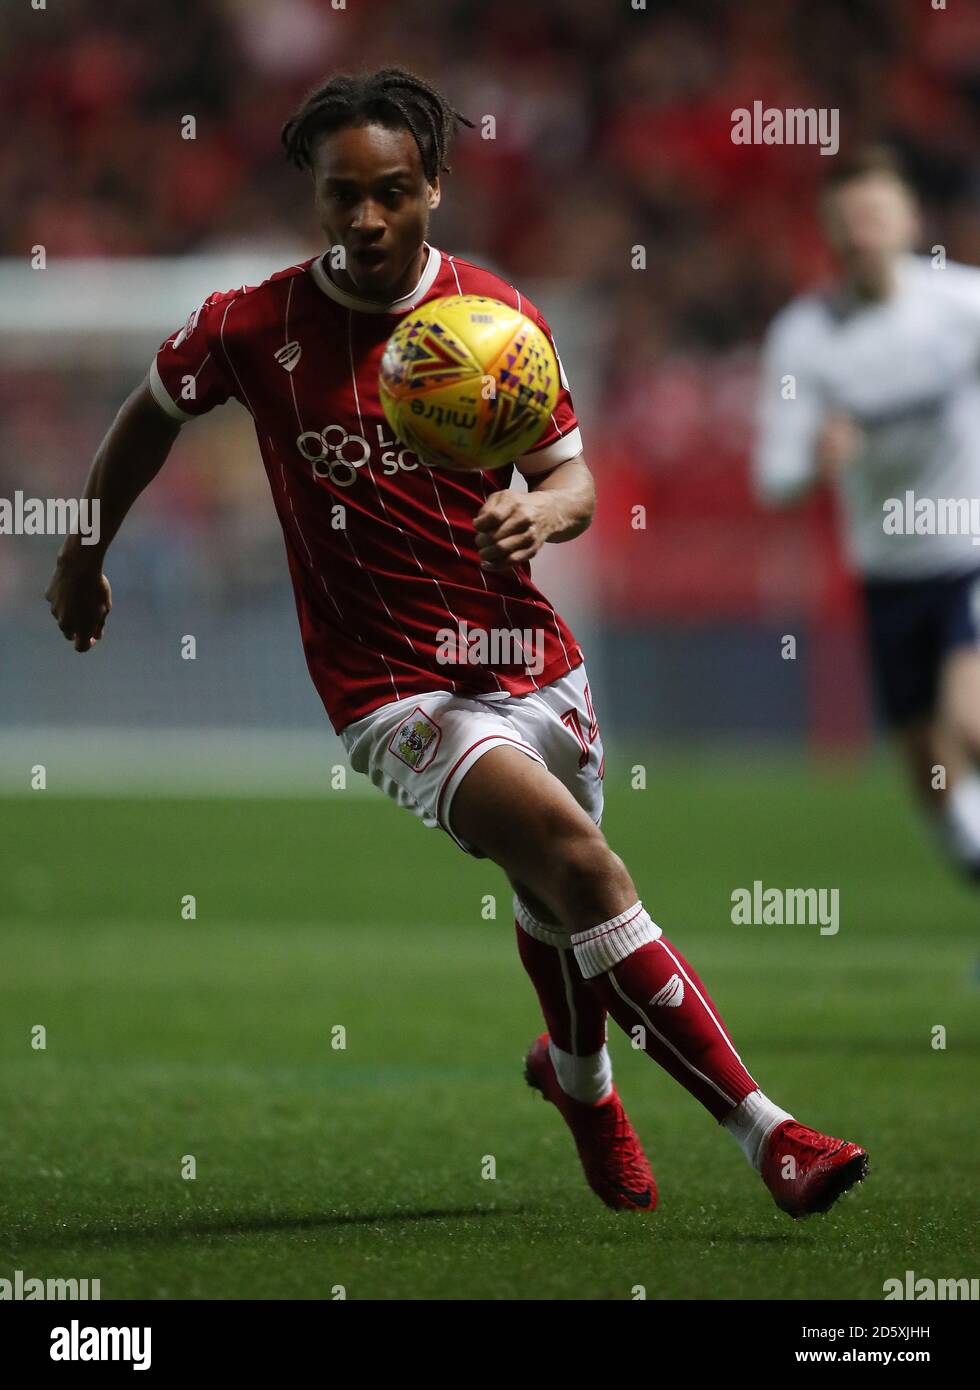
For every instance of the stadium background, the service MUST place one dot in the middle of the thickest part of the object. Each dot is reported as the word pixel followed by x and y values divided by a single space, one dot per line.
pixel 613 130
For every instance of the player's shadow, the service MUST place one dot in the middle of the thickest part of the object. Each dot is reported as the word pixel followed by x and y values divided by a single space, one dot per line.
pixel 174 1232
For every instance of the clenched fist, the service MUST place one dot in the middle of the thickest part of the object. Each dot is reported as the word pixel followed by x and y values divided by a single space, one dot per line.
pixel 80 597
pixel 512 527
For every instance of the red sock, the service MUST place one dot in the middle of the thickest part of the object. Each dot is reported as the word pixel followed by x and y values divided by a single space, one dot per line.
pixel 575 1017
pixel 645 982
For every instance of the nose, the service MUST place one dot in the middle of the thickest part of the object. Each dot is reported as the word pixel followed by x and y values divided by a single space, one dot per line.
pixel 367 217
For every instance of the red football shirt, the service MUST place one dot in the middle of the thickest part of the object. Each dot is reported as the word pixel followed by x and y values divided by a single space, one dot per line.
pixel 381 549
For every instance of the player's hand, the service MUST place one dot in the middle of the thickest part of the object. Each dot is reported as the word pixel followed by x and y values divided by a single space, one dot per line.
pixel 80 596
pixel 511 527
pixel 838 444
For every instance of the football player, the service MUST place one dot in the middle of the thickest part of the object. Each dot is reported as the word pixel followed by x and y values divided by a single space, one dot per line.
pixel 385 553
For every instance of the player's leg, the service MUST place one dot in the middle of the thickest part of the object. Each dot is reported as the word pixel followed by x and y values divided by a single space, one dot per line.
pixel 960 697
pixel 570 1064
pixel 929 757
pixel 575 1017
pixel 458 763
pixel 528 822
pixel 414 750
pixel 418 751
pixel 524 819
pixel 925 651
pixel 957 752
pixel 945 786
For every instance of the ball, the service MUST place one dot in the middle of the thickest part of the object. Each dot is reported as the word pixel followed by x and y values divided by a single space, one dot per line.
pixel 467 383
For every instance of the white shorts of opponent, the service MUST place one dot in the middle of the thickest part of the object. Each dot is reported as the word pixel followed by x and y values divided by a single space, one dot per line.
pixel 418 750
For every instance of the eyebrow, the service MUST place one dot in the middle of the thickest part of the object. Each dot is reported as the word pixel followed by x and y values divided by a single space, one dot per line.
pixel 388 177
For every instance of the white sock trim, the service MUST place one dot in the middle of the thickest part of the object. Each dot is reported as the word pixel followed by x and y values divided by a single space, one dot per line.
pixel 588 1079
pixel 961 820
pixel 541 931
pixel 600 948
pixel 751 1123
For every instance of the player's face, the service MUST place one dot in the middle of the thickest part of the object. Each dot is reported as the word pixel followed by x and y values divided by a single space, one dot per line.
pixel 869 221
pixel 372 198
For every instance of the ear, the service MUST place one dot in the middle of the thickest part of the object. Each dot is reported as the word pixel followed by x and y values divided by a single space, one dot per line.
pixel 433 194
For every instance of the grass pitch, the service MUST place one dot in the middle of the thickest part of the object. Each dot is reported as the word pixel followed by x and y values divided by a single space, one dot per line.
pixel 363 1166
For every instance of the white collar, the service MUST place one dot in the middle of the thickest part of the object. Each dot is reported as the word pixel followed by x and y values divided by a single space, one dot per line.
pixel 370 306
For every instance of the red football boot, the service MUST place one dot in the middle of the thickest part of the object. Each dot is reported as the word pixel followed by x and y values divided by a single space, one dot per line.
pixel 807 1171
pixel 616 1167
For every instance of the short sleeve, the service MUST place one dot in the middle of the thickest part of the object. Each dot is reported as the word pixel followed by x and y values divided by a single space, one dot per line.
pixel 187 377
pixel 789 411
pixel 562 440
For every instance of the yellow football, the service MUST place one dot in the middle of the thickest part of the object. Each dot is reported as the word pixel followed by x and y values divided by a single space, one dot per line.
pixel 467 383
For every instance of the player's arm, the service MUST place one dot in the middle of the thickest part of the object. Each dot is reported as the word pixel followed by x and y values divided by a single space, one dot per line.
pixel 127 460
pixel 790 417
pixel 568 492
pixel 558 506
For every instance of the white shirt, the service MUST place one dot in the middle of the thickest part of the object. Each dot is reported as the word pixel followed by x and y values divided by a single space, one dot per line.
pixel 906 370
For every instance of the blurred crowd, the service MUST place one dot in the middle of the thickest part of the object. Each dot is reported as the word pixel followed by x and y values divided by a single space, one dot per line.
pixel 613 130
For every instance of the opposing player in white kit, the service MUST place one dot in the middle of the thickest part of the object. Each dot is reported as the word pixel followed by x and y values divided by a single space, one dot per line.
pixel 874 385
pixel 505 756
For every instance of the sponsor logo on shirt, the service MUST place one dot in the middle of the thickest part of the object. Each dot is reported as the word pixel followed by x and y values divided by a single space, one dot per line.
pixel 337 454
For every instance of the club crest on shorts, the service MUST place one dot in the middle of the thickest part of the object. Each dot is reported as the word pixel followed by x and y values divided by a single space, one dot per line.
pixel 415 740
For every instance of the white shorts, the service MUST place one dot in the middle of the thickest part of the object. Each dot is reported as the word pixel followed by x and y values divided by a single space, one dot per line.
pixel 419 749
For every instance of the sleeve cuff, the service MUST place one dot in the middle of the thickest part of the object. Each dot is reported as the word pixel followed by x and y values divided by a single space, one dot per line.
pixel 558 451
pixel 163 398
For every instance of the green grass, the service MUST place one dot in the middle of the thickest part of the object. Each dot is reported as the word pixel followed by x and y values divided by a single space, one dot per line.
pixel 361 1167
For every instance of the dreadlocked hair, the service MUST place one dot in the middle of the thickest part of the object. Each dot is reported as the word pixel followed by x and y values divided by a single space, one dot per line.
pixel 392 97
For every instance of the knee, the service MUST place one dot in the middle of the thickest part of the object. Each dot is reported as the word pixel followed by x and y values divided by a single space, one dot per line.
pixel 587 869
